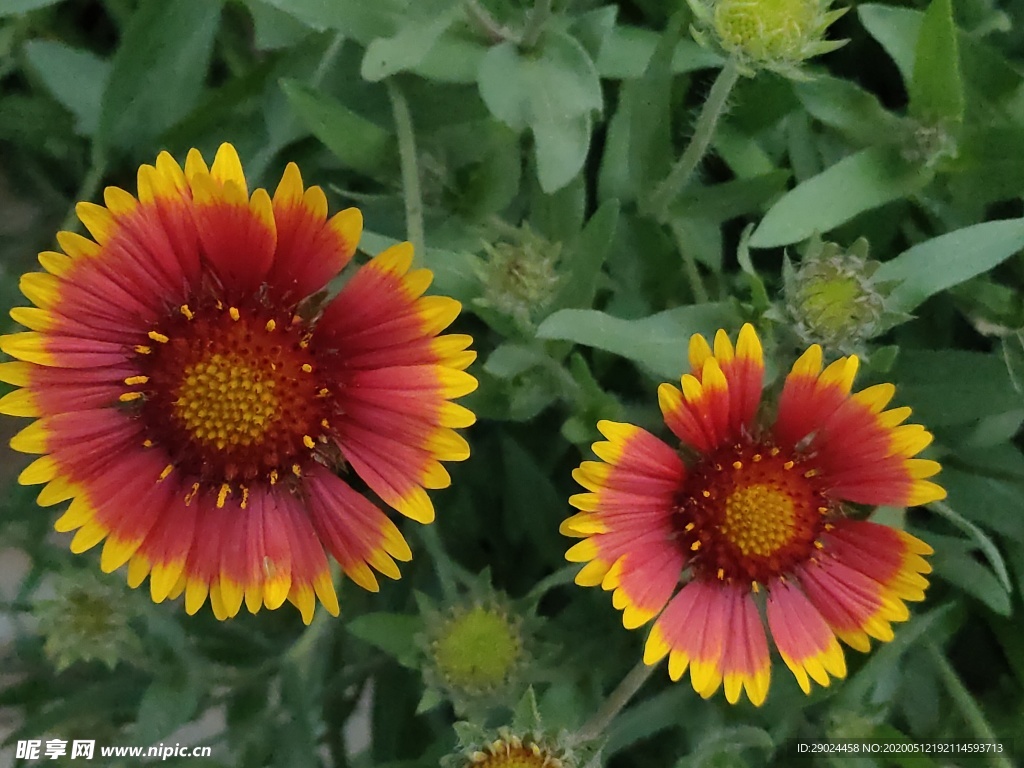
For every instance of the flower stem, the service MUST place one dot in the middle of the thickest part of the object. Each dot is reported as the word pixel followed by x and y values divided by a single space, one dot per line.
pixel 618 699
pixel 498 33
pixel 410 169
pixel 704 131
pixel 968 707
pixel 535 23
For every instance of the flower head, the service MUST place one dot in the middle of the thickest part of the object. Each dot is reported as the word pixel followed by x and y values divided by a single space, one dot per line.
pixel 759 513
pixel 197 406
pixel 523 743
pixel 777 35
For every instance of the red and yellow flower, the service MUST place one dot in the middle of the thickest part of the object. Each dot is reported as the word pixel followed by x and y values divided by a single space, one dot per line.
pixel 755 519
pixel 196 399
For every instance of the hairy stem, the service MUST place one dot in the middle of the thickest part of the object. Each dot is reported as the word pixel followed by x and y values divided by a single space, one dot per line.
pixel 410 168
pixel 704 131
pixel 535 23
pixel 614 704
pixel 968 707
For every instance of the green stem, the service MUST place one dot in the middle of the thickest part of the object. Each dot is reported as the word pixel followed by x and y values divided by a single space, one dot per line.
pixel 410 169
pixel 498 33
pixel 88 189
pixel 969 708
pixel 535 23
pixel 618 699
pixel 700 291
pixel 704 131
pixel 556 579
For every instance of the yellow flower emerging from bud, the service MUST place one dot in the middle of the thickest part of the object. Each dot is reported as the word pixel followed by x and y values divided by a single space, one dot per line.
pixel 767 34
pixel 477 649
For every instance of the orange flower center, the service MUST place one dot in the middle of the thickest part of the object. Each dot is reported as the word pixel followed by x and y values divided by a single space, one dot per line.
pixel 232 395
pixel 750 513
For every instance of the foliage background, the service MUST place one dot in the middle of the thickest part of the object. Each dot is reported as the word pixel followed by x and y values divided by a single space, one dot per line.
pixel 915 141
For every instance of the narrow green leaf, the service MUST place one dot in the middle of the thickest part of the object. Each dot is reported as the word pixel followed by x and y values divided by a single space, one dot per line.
pixel 356 141
pixel 586 257
pixel 863 181
pixel 393 633
pixel 937 89
pixel 75 77
pixel 658 342
pixel 990 78
pixel 850 109
pixel 950 259
pixel 981 540
pixel 722 202
pixel 409 45
pixel 933 384
pixel 158 71
pixel 1013 354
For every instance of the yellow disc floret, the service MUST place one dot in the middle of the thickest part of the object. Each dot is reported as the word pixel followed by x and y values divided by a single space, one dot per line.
pixel 223 401
pixel 478 649
pixel 759 520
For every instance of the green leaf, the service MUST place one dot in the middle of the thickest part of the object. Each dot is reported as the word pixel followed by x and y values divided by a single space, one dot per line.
pixel 158 71
pixel 273 28
pixel 15 7
pixel 988 76
pixel 552 91
pixel 851 110
pixel 658 342
pixel 991 502
pixel 75 77
pixel 953 386
pixel 359 143
pixel 561 146
pixel 358 19
pixel 454 58
pixel 583 262
pixel 409 45
pixel 865 180
pixel 721 202
pixel 393 633
pixel 593 29
pixel 165 706
pixel 557 79
pixel 942 262
pixel 962 570
pixel 937 89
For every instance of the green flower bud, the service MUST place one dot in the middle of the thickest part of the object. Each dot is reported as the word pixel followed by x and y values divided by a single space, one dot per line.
pixel 520 278
pixel 88 619
pixel 477 648
pixel 777 35
pixel 832 298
